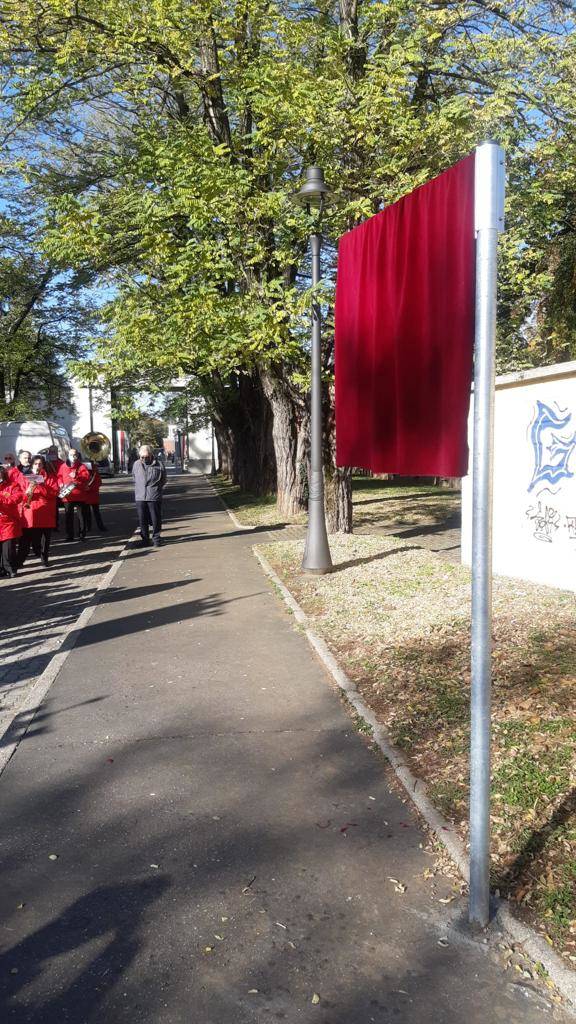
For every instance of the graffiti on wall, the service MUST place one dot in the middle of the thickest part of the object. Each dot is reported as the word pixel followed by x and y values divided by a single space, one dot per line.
pixel 552 435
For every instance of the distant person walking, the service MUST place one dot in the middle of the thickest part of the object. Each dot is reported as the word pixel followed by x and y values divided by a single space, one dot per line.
pixel 149 479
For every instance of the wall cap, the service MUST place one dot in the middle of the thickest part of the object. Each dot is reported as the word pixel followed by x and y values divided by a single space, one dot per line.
pixel 519 377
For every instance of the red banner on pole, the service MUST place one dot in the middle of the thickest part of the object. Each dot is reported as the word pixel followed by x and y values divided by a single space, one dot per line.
pixel 405 298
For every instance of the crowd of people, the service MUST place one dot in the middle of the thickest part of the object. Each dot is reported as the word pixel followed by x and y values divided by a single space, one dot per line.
pixel 31 491
pixel 33 488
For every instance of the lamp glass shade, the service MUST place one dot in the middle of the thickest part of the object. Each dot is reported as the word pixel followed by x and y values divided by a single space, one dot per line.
pixel 313 189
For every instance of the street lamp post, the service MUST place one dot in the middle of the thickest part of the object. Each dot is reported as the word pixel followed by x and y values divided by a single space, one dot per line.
pixel 317 559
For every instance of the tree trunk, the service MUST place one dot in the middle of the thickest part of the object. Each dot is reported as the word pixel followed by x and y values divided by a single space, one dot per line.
pixel 303 458
pixel 338 482
pixel 452 482
pixel 255 463
pixel 224 445
pixel 284 434
pixel 338 487
pixel 243 420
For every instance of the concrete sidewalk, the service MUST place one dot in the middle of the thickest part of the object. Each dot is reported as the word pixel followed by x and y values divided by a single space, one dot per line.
pixel 193 833
pixel 40 606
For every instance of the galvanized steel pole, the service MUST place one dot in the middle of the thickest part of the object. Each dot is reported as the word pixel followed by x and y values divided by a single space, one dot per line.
pixel 489 222
pixel 317 557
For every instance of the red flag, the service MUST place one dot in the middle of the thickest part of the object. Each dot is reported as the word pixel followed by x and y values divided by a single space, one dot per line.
pixel 405 296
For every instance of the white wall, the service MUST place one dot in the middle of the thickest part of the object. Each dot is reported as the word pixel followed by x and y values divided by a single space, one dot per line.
pixel 200 450
pixel 534 477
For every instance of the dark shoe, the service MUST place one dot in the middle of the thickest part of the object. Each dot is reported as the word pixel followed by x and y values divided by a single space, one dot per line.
pixel 12 573
pixel 82 540
pixel 103 529
pixel 156 542
pixel 143 543
pixel 69 538
pixel 44 563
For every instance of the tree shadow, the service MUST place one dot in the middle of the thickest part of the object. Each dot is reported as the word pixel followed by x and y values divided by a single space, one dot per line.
pixel 400 498
pixel 340 566
pixel 297 908
pixel 449 523
pixel 112 913
pixel 33 721
pixel 135 593
pixel 516 873
pixel 147 620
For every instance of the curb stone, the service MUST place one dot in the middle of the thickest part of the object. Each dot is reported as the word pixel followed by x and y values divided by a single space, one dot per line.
pixel 235 520
pixel 14 732
pixel 563 977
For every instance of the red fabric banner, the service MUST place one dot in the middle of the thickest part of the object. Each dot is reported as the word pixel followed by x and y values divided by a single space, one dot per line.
pixel 405 295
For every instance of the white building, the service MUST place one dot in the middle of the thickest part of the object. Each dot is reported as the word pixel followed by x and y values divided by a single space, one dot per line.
pixel 198 451
pixel 91 411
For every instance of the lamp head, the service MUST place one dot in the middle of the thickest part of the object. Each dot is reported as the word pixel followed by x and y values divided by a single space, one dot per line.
pixel 314 190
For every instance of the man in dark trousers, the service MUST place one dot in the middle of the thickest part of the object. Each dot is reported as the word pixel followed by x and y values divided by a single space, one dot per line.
pixel 149 479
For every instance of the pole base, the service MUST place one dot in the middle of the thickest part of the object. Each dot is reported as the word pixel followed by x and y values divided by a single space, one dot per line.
pixel 316 572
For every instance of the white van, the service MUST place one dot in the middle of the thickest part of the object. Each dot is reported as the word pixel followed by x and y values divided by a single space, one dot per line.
pixel 34 436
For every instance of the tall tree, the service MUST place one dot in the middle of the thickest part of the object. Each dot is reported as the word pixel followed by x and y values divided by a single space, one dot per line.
pixel 179 132
pixel 44 317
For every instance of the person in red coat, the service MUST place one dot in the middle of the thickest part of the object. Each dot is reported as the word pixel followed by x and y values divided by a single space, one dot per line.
pixel 38 511
pixel 10 524
pixel 53 461
pixel 14 474
pixel 93 498
pixel 73 478
pixel 53 466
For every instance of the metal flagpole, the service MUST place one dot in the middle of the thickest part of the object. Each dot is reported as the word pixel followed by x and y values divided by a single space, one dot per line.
pixel 489 222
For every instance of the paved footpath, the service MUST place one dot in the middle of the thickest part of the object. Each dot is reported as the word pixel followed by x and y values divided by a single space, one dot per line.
pixel 40 606
pixel 192 833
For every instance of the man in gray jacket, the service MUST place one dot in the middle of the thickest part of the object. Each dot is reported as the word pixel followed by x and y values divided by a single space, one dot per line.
pixel 149 479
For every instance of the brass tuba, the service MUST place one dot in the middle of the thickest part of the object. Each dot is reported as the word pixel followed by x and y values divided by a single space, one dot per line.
pixel 95 446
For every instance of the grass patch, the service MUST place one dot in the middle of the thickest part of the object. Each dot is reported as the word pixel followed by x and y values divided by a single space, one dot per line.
pixel 557 901
pixel 450 798
pixel 398 620
pixel 250 509
pixel 378 505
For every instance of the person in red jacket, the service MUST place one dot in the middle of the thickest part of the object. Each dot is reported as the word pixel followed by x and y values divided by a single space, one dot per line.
pixel 53 460
pixel 53 465
pixel 38 511
pixel 93 499
pixel 14 474
pixel 10 524
pixel 73 478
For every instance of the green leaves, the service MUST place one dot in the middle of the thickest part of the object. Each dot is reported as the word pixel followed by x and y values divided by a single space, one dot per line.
pixel 169 138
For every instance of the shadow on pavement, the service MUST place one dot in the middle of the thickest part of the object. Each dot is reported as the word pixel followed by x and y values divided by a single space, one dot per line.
pixel 34 721
pixel 175 905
